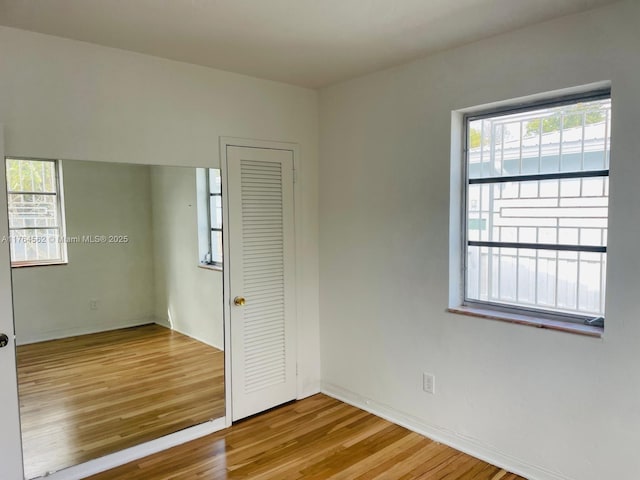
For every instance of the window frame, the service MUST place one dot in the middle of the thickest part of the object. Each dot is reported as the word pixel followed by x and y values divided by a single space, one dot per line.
pixel 60 206
pixel 467 118
pixel 217 263
pixel 205 222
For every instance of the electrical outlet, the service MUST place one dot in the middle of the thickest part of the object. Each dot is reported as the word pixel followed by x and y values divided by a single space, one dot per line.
pixel 93 304
pixel 429 383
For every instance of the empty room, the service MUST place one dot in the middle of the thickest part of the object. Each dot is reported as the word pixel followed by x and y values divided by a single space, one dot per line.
pixel 313 240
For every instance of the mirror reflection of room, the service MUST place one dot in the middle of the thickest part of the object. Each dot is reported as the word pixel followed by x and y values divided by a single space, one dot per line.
pixel 117 284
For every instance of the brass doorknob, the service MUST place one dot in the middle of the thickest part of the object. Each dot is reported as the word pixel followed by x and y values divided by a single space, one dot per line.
pixel 239 301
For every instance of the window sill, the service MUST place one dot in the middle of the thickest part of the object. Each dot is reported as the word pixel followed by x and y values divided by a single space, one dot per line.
pixel 217 268
pixel 35 264
pixel 537 322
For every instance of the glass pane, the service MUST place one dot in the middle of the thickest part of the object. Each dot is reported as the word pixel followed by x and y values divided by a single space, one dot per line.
pixel 477 280
pixel 478 213
pixel 31 175
pixel 546 262
pixel 592 269
pixel 28 210
pixel 216 211
pixel 575 215
pixel 215 182
pixel 216 247
pixel 507 273
pixel 35 245
pixel 564 138
pixel 568 282
pixel 526 281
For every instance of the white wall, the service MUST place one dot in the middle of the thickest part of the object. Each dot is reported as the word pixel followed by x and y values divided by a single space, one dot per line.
pixel 53 301
pixel 188 297
pixel 65 99
pixel 550 404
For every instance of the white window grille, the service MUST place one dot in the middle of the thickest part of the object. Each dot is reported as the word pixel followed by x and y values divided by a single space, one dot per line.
pixel 209 192
pixel 36 213
pixel 537 207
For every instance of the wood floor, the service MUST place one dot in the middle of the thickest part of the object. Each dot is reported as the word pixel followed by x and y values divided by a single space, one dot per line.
pixel 314 439
pixel 87 396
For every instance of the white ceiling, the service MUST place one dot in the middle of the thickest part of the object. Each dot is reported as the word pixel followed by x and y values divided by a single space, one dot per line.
pixel 311 43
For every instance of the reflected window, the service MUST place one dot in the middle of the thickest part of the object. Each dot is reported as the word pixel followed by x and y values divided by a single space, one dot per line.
pixel 36 212
pixel 537 199
pixel 209 188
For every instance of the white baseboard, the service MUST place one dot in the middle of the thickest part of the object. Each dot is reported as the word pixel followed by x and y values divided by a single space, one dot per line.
pixel 166 324
pixel 470 446
pixel 80 330
pixel 92 467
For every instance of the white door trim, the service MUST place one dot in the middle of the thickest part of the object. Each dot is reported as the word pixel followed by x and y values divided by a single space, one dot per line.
pixel 266 144
pixel 9 397
pixel 10 438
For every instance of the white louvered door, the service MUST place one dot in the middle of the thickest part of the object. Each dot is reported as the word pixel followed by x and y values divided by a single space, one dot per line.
pixel 261 271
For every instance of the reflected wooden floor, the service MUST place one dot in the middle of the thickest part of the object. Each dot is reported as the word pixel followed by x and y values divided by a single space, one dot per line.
pixel 87 396
pixel 314 439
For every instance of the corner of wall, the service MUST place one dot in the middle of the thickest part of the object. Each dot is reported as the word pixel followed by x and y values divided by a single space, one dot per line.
pixel 470 446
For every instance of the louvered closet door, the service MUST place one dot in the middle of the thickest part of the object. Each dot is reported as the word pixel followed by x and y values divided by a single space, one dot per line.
pixel 262 269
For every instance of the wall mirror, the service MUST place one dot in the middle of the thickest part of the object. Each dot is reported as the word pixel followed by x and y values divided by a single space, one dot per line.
pixel 117 287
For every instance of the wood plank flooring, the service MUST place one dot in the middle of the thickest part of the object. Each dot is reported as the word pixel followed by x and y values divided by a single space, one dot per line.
pixel 314 439
pixel 87 396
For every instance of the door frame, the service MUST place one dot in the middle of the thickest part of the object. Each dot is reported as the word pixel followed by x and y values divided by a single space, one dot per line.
pixel 11 411
pixel 294 148
pixel 11 455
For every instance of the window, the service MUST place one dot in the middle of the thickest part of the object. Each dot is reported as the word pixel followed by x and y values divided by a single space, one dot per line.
pixel 537 207
pixel 209 187
pixel 36 214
